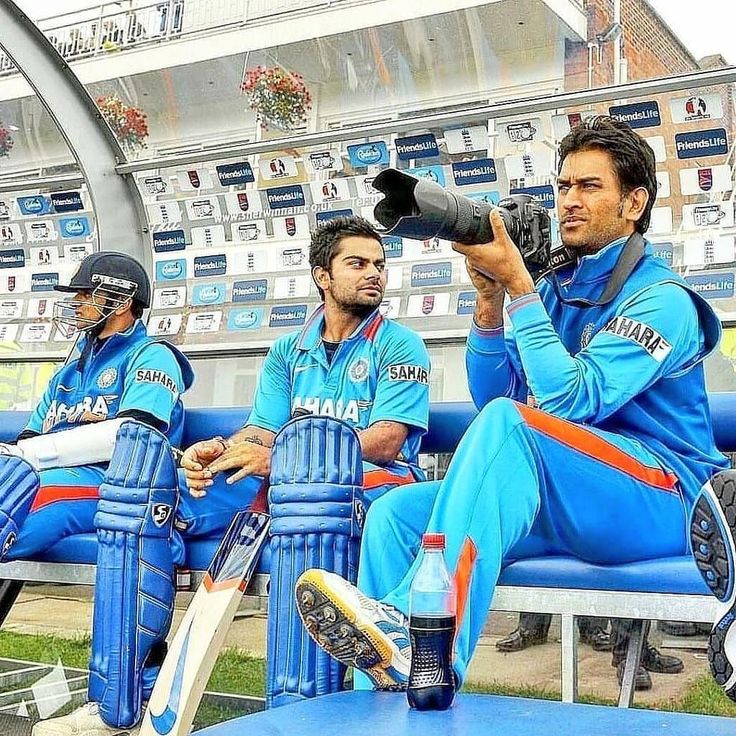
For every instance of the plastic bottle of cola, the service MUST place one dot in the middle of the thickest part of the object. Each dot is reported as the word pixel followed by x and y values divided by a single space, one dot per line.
pixel 432 606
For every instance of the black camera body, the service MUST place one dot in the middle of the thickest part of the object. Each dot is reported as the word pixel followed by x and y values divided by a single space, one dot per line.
pixel 420 209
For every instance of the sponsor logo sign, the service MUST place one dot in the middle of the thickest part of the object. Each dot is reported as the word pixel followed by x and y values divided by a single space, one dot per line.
pixel 250 291
pixel 36 332
pixel 240 173
pixel 544 194
pixel 322 217
pixel 696 107
pixel 10 233
pixel 521 131
pixel 245 232
pixel 204 294
pixel 168 324
pixel 390 307
pixel 41 231
pixel 155 185
pixel 428 305
pixel 171 270
pixel 393 246
pixel 663 184
pixel 433 173
pixel 712 285
pixel 74 227
pixel 711 214
pixel 169 240
pixel 4 209
pixel 203 208
pixel 325 160
pixel 638 114
pixel 210 265
pixel 193 180
pixel 708 250
pixel 563 124
pixel 291 227
pixel 467 140
pixel 199 322
pixel 663 251
pixel 431 274
pixel 706 179
pixel 164 213
pixel 374 153
pixel 44 281
pixel 292 315
pixel 278 167
pixel 661 221
pixel 488 197
pixel 169 297
pixel 466 302
pixel 699 143
pixel 474 172
pixel 245 319
pixel 206 237
pixel 417 146
pixel 67 201
pixel 35 205
pixel 282 197
pixel 330 190
pixel 77 253
pixel 239 203
pixel 11 308
pixel 290 287
pixel 15 258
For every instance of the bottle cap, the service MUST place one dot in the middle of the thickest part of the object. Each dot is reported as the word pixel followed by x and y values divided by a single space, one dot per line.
pixel 433 541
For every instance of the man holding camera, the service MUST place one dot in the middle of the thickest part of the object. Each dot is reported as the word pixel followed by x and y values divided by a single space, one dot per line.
pixel 576 449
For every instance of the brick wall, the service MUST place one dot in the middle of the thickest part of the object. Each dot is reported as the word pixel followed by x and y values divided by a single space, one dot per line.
pixel 649 47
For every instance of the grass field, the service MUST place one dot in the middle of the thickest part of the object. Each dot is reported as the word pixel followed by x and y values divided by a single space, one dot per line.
pixel 239 673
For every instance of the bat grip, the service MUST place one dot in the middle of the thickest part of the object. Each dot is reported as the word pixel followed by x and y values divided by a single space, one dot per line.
pixel 260 502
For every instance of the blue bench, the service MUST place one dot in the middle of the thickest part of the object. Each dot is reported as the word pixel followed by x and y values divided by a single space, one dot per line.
pixel 669 588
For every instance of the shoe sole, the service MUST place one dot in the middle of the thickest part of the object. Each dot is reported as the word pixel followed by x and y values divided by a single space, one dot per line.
pixel 336 627
pixel 712 539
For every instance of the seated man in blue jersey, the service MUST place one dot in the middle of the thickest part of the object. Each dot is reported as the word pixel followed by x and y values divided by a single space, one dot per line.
pixel 594 434
pixel 349 365
pixel 95 456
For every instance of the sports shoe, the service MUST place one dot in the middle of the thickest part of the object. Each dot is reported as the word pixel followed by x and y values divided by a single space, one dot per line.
pixel 84 721
pixel 355 629
pixel 712 537
pixel 520 639
pixel 642 679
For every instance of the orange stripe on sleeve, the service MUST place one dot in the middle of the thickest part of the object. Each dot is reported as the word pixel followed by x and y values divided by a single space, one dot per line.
pixel 580 439
pixel 50 494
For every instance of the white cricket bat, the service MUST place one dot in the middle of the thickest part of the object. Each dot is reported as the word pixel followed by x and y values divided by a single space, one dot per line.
pixel 193 652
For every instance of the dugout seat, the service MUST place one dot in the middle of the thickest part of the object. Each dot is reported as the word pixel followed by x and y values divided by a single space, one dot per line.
pixel 668 588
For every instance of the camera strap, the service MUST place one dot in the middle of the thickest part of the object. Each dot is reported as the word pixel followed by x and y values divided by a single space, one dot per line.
pixel 631 254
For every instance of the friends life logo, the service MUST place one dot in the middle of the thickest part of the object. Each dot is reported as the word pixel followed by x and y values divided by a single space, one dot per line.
pixel 172 270
pixel 280 198
pixel 480 171
pixel 293 315
pixel 210 265
pixel 374 153
pixel 255 290
pixel 663 251
pixel 466 302
pixel 167 241
pixel 204 294
pixel 67 201
pixel 712 286
pixel 74 227
pixel 544 194
pixel 240 173
pixel 35 205
pixel 393 246
pixel 323 217
pixel 431 274
pixel 15 258
pixel 637 115
pixel 418 146
pixel 245 319
pixel 44 281
pixel 699 143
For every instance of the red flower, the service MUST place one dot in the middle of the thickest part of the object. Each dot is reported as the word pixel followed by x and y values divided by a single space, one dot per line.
pixel 277 96
pixel 127 123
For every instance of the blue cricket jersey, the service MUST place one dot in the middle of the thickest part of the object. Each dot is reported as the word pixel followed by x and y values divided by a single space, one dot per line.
pixel 379 373
pixel 129 370
pixel 632 366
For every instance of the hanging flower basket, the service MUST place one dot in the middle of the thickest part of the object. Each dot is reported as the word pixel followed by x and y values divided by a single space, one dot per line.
pixel 6 141
pixel 128 123
pixel 278 97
